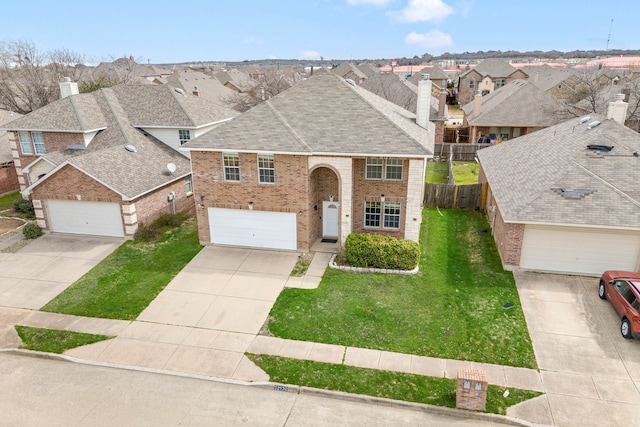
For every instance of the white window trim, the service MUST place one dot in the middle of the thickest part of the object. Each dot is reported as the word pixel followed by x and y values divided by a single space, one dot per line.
pixel 383 174
pixel 182 140
pixel 27 143
pixel 224 167
pixel 379 215
pixel 384 215
pixel 188 184
pixel 260 168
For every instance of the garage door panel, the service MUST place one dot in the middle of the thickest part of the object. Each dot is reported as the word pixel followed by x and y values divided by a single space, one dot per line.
pixel 82 217
pixel 579 250
pixel 259 229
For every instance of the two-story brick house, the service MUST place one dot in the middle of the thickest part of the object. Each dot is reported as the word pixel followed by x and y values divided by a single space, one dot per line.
pixel 104 162
pixel 487 76
pixel 323 159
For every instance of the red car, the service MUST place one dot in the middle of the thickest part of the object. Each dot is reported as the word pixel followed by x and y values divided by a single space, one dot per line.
pixel 622 289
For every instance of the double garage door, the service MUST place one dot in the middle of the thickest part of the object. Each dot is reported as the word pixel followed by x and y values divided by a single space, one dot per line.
pixel 79 217
pixel 255 229
pixel 579 250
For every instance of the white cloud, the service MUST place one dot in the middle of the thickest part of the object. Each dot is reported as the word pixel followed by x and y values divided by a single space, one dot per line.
pixel 310 54
pixel 372 2
pixel 431 40
pixel 421 11
pixel 273 57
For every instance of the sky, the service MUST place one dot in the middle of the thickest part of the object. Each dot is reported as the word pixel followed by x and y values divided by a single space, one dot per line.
pixel 160 32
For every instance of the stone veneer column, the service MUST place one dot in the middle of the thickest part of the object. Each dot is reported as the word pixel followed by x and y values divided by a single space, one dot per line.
pixel 37 207
pixel 130 219
pixel 415 191
pixel 344 167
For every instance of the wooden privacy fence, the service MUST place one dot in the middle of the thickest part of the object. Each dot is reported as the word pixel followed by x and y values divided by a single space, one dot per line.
pixel 449 196
pixel 465 152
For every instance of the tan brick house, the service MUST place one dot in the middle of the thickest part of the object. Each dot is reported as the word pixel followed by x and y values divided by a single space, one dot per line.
pixel 489 75
pixel 323 159
pixel 104 162
pixel 566 198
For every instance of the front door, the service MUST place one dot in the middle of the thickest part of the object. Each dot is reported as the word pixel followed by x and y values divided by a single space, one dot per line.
pixel 330 219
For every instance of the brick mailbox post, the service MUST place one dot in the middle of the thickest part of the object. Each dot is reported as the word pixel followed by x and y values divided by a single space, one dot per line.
pixel 471 390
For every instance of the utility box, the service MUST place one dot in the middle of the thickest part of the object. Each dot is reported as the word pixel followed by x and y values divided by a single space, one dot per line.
pixel 471 390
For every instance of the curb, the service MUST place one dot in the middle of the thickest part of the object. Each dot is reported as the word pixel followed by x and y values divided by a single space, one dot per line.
pixel 332 264
pixel 295 389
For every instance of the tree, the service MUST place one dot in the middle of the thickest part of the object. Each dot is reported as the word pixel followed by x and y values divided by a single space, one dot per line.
pixel 29 78
pixel 391 88
pixel 268 82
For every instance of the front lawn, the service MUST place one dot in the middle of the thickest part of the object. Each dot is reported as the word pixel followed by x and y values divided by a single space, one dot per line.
pixel 374 382
pixel 54 340
pixel 453 308
pixel 126 282
pixel 6 201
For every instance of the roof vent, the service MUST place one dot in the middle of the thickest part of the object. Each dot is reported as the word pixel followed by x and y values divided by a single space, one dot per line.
pixel 350 81
pixel 584 120
pixel 576 194
pixel 130 148
pixel 600 147
pixel 180 91
pixel 593 124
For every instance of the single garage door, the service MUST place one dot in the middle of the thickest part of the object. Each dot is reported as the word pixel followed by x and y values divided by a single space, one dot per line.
pixel 579 250
pixel 79 217
pixel 256 229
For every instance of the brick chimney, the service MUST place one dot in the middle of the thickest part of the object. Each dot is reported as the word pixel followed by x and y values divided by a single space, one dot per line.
pixel 423 108
pixel 618 109
pixel 477 104
pixel 68 88
pixel 442 103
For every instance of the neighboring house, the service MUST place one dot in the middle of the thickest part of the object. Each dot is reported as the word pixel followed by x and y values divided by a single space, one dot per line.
pixel 436 75
pixel 346 70
pixel 8 176
pixel 323 159
pixel 235 80
pixel 489 75
pixel 559 82
pixel 517 109
pixel 104 162
pixel 567 198
pixel 200 84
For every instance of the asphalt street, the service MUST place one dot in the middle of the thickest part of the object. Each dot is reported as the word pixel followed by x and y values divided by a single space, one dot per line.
pixel 39 391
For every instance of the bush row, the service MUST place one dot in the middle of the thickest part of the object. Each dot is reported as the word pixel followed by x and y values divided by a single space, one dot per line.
pixel 154 230
pixel 372 250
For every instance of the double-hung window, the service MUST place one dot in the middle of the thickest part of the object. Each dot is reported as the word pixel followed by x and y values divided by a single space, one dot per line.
pixel 472 84
pixel 390 169
pixel 184 135
pixel 231 167
pixel 391 215
pixel 372 214
pixel 30 141
pixel 266 170
pixel 188 186
pixel 500 83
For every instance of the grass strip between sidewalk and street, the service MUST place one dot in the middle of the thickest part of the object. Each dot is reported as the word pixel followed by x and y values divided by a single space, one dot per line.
pixel 461 305
pixel 378 383
pixel 54 340
pixel 125 283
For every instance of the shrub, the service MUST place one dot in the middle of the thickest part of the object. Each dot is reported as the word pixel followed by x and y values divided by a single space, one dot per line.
pixel 147 233
pixel 370 250
pixel 170 220
pixel 154 230
pixel 31 231
pixel 25 207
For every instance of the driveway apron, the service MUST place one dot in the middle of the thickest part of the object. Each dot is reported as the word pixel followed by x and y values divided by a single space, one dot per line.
pixel 591 374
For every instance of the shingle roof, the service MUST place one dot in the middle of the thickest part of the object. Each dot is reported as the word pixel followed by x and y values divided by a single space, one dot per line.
pixel 345 68
pixel 546 77
pixel 493 67
pixel 435 73
pixel 519 103
pixel 106 159
pixel 322 115
pixel 5 148
pixel 209 87
pixel 527 173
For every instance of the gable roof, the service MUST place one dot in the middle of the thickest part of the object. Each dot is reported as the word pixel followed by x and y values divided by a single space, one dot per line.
pixel 132 174
pixel 322 115
pixel 546 77
pixel 493 67
pixel 435 73
pixel 209 87
pixel 519 103
pixel 343 70
pixel 527 175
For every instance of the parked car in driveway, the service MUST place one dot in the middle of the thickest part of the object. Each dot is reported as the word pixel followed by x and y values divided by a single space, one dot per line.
pixel 621 288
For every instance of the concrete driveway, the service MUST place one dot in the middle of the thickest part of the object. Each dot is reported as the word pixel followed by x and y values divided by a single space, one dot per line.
pixel 591 374
pixel 223 288
pixel 44 267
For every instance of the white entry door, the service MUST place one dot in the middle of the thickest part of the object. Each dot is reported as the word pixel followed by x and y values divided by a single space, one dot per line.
pixel 330 219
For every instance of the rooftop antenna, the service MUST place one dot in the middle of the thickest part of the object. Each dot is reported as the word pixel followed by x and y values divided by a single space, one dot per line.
pixel 609 36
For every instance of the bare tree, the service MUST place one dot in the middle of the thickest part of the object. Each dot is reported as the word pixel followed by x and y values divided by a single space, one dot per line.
pixel 269 82
pixel 29 78
pixel 391 88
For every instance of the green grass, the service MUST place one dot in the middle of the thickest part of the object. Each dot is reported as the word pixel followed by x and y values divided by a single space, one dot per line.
pixel 6 201
pixel 125 282
pixel 463 172
pixel 386 384
pixel 453 308
pixel 54 340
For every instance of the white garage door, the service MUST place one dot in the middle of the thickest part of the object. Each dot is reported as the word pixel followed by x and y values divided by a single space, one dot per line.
pixel 79 217
pixel 579 250
pixel 256 229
